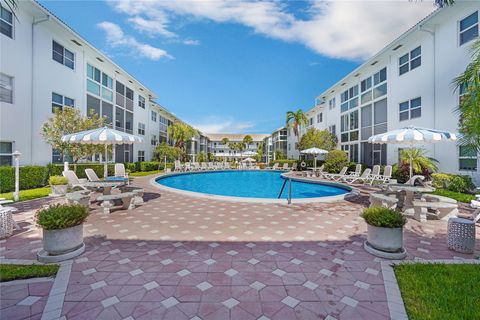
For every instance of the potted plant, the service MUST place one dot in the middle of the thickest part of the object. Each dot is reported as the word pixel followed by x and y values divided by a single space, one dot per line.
pixel 59 185
pixel 62 226
pixel 385 232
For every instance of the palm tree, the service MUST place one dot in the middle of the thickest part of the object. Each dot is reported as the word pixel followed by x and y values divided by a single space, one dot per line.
pixel 225 143
pixel 247 140
pixel 295 120
pixel 12 6
pixel 469 112
pixel 418 160
pixel 181 133
pixel 443 3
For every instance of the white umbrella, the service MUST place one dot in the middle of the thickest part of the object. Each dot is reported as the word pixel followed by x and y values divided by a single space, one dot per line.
pixel 412 136
pixel 105 136
pixel 249 160
pixel 314 151
pixel 249 154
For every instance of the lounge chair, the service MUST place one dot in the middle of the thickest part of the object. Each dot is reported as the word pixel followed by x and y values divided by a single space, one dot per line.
pixel 274 167
pixel 285 166
pixel 120 171
pixel 294 167
pixel 178 166
pixel 358 179
pixel 203 166
pixel 211 166
pixel 188 166
pixel 73 180
pixel 375 172
pixel 338 176
pixel 357 172
pixel 91 175
pixel 385 178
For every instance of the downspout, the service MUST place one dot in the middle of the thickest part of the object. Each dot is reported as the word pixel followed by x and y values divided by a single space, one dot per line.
pixel 432 33
pixel 34 23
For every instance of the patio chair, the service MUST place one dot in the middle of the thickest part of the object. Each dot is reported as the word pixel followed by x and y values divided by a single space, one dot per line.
pixel 337 176
pixel 91 175
pixel 187 166
pixel 178 166
pixel 385 178
pixel 357 172
pixel 203 166
pixel 211 166
pixel 73 180
pixel 274 167
pixel 294 166
pixel 363 178
pixel 285 166
pixel 120 171
pixel 375 172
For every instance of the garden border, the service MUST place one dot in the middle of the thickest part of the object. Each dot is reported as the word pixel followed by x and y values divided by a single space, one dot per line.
pixel 396 307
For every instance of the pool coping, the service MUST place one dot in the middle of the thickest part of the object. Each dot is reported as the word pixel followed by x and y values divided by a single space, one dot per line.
pixel 353 191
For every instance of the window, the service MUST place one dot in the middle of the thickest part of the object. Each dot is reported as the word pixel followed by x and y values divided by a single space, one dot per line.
pixel 58 101
pixel 154 116
pixel 99 83
pixel 6 150
pixel 410 61
pixel 411 109
pixel 349 127
pixel 141 102
pixel 141 128
pixel 349 99
pixel 320 117
pixel 469 28
pixel 153 141
pixel 141 155
pixel 373 87
pixel 311 121
pixel 62 55
pixel 6 88
pixel 331 103
pixel 333 129
pixel 6 22
pixel 467 158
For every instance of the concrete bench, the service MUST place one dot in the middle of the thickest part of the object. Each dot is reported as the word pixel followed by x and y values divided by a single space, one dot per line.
pixel 137 191
pixel 383 200
pixel 108 201
pixel 434 197
pixel 443 210
pixel 78 197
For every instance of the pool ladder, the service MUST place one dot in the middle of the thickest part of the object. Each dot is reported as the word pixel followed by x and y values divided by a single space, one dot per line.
pixel 289 199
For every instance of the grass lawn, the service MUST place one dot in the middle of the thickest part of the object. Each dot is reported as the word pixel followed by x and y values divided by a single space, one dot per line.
pixel 28 194
pixel 144 173
pixel 440 291
pixel 9 272
pixel 462 197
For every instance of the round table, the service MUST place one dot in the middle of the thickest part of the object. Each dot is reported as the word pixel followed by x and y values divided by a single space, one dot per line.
pixel 409 193
pixel 106 186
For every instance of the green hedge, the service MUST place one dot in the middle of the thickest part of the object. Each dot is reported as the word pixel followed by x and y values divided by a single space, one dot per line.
pixel 30 177
pixel 453 182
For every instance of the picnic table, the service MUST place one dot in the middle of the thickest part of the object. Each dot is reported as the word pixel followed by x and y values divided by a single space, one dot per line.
pixel 409 194
pixel 104 185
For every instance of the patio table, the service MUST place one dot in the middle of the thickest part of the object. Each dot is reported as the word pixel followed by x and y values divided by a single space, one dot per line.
pixel 409 194
pixel 106 186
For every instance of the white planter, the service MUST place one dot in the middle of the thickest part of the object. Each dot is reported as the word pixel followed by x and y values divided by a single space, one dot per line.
pixel 385 239
pixel 59 190
pixel 62 241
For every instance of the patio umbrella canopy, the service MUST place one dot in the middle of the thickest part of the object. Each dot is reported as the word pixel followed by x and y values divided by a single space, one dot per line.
pixel 249 154
pixel 412 136
pixel 106 136
pixel 315 152
pixel 249 160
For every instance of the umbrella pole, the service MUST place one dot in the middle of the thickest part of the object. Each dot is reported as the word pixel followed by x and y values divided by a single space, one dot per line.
pixel 411 161
pixel 105 165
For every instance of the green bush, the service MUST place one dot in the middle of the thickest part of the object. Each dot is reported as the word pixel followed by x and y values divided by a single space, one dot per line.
pixel 383 217
pixel 453 182
pixel 57 180
pixel 30 177
pixel 62 216
pixel 150 166
pixel 335 160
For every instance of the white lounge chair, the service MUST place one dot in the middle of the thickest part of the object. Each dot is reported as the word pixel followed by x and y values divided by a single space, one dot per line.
pixel 188 166
pixel 357 172
pixel 375 172
pixel 120 171
pixel 294 166
pixel 91 175
pixel 337 176
pixel 285 166
pixel 203 166
pixel 178 166
pixel 211 166
pixel 73 180
pixel 274 167
pixel 385 178
pixel 358 179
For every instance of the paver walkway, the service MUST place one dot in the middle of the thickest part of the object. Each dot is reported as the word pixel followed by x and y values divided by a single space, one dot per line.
pixel 179 257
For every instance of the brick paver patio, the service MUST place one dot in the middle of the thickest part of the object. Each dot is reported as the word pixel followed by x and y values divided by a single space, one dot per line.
pixel 179 257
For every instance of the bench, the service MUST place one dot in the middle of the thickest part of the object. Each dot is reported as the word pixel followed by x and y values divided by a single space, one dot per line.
pixel 443 210
pixel 137 191
pixel 383 200
pixel 434 197
pixel 108 201
pixel 79 197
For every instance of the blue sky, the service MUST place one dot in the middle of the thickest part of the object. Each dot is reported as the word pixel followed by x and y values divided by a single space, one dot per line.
pixel 238 66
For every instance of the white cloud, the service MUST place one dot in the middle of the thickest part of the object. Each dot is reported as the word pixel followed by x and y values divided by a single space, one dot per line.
pixel 117 38
pixel 214 124
pixel 191 42
pixel 342 29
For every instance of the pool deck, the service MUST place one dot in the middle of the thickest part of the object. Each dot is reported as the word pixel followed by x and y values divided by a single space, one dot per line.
pixel 180 257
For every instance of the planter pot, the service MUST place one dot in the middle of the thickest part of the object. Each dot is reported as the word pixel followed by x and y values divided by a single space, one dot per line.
pixel 63 241
pixel 59 190
pixel 385 239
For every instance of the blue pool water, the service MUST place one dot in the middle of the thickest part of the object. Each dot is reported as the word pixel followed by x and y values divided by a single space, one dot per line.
pixel 251 184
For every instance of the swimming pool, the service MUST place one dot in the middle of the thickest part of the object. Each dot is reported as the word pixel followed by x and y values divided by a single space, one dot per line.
pixel 257 184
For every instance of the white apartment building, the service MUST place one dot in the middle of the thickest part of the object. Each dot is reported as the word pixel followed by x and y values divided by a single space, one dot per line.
pixel 409 82
pixel 44 64
pixel 220 150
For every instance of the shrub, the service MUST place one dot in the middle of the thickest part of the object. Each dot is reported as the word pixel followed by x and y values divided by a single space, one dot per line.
pixel 453 182
pixel 150 166
pixel 132 166
pixel 30 177
pixel 383 217
pixel 335 160
pixel 61 216
pixel 261 165
pixel 57 180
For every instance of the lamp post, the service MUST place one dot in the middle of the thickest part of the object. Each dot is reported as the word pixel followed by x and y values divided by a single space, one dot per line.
pixel 16 156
